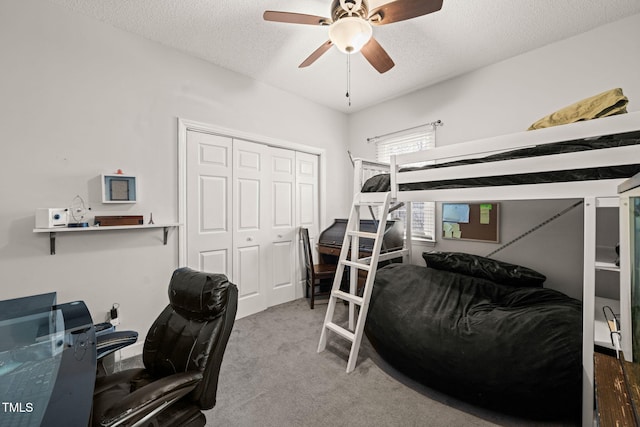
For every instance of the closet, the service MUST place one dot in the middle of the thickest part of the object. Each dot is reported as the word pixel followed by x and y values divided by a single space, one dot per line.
pixel 244 202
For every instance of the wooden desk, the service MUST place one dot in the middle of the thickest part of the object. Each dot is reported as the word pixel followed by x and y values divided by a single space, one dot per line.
pixel 614 405
pixel 632 377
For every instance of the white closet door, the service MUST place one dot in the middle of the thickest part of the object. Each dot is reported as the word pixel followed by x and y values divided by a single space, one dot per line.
pixel 244 204
pixel 209 214
pixel 307 206
pixel 282 227
pixel 251 209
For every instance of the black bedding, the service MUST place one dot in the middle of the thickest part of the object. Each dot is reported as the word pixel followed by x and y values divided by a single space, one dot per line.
pixel 381 182
pixel 517 349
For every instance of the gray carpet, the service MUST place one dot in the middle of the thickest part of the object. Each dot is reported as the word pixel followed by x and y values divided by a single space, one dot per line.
pixel 271 375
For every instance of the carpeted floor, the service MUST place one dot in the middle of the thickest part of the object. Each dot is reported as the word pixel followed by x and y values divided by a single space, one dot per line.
pixel 271 375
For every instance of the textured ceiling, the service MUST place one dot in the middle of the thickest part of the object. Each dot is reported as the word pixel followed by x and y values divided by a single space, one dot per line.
pixel 464 35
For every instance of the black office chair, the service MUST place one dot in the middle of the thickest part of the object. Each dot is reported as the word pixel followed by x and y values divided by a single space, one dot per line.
pixel 182 355
pixel 319 276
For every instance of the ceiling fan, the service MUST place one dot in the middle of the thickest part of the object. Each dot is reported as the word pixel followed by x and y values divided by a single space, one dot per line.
pixel 350 26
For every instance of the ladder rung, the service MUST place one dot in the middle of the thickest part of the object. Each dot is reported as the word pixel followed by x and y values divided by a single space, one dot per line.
pixel 387 255
pixel 357 265
pixel 341 331
pixel 348 297
pixel 370 199
pixel 363 234
pixel 372 204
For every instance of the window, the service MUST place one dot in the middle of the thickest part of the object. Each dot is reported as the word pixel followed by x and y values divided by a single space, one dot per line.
pixel 423 221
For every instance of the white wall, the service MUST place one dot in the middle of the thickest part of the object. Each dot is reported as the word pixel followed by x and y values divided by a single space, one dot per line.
pixel 78 98
pixel 505 98
pixel 508 96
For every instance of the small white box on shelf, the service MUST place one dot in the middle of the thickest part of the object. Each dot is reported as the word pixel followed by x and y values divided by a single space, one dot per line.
pixel 52 217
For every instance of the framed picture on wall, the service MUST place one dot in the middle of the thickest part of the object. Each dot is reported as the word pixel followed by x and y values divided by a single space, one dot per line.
pixel 119 188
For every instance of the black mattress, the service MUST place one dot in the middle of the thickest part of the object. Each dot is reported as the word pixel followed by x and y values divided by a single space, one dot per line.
pixel 517 349
pixel 380 183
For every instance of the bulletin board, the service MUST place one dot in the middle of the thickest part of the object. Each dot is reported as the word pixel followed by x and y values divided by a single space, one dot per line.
pixel 471 221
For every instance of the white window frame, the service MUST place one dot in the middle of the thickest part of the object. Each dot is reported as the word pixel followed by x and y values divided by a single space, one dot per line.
pixel 424 213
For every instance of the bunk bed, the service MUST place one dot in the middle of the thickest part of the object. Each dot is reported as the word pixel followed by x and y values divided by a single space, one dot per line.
pixel 585 160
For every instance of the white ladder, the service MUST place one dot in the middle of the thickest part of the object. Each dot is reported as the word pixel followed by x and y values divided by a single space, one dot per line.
pixel 352 236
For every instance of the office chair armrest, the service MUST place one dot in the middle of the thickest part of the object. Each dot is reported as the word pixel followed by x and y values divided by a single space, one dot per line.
pixel 152 398
pixel 109 342
pixel 107 381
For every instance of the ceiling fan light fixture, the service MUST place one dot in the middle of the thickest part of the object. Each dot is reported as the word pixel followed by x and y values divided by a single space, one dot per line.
pixel 350 34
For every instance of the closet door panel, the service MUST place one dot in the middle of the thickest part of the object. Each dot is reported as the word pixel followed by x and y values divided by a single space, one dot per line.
pixel 248 196
pixel 307 183
pixel 214 261
pixel 212 204
pixel 282 227
pixel 209 226
pixel 282 264
pixel 248 261
pixel 283 204
pixel 307 206
pixel 251 209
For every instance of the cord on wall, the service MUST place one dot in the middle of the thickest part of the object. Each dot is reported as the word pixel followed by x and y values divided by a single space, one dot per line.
pixel 531 230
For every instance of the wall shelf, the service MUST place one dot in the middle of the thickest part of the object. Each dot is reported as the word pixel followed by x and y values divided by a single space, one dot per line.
pixel 54 231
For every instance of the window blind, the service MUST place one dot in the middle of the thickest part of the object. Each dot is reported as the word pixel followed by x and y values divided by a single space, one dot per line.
pixel 423 221
pixel 403 144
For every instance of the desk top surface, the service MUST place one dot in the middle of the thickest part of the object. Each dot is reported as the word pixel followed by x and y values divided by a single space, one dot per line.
pixel 47 365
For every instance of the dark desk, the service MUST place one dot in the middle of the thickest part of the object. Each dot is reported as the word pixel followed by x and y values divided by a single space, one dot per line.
pixel 330 240
pixel 617 394
pixel 330 243
pixel 47 364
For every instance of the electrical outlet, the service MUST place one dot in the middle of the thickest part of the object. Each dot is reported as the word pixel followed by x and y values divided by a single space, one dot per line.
pixel 114 318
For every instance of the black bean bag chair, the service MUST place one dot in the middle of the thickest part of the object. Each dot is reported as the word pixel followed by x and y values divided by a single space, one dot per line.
pixel 512 346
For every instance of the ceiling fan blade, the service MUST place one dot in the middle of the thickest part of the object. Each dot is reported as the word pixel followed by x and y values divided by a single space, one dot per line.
pixel 377 56
pixel 295 18
pixel 316 54
pixel 401 10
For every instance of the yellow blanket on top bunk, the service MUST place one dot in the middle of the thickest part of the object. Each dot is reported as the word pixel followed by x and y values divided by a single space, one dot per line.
pixel 604 104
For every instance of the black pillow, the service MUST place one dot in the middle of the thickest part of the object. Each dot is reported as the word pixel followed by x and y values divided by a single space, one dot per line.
pixel 484 268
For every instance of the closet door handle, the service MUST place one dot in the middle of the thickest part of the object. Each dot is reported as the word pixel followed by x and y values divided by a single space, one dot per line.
pixel 279 236
pixel 249 239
